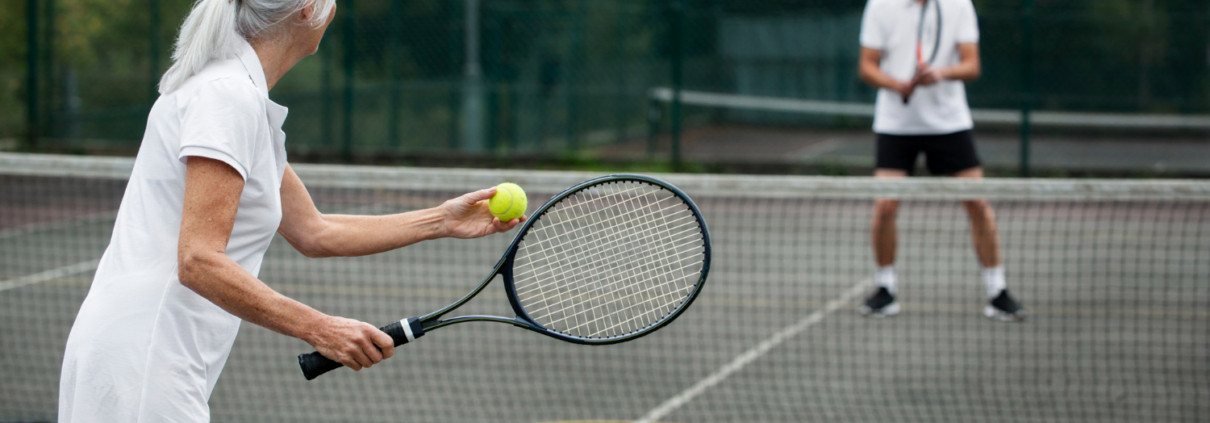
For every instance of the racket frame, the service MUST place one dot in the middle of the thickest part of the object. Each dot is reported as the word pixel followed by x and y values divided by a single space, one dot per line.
pixel 504 268
pixel 920 38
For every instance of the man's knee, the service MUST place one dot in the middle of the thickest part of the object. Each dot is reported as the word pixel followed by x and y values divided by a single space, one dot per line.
pixel 978 209
pixel 885 209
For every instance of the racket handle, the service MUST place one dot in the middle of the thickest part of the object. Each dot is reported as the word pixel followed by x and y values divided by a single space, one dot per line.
pixel 314 364
pixel 905 100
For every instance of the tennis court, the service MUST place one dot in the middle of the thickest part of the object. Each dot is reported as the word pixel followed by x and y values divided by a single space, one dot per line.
pixel 1113 275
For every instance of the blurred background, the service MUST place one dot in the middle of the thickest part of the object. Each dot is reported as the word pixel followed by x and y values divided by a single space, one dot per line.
pixel 1069 87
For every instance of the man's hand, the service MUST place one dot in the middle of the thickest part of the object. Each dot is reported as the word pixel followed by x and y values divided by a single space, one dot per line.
pixel 927 75
pixel 352 343
pixel 468 216
pixel 904 88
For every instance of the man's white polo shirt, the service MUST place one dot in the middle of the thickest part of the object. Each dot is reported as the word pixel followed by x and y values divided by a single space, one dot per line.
pixel 890 26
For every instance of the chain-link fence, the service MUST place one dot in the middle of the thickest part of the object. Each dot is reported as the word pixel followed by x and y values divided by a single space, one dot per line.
pixel 402 79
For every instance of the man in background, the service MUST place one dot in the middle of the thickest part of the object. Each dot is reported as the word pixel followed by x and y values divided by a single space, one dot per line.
pixel 922 108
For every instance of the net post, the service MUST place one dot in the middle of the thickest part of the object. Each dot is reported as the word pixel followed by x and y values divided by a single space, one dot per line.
pixel 31 9
pixel 1027 52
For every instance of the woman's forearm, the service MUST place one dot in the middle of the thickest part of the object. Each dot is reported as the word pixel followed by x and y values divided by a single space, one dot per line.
pixel 221 280
pixel 348 235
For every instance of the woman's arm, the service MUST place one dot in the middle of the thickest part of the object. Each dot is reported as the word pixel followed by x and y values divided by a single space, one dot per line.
pixel 331 235
pixel 212 193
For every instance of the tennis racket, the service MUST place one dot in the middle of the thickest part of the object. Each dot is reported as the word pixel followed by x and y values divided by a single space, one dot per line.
pixel 928 34
pixel 606 261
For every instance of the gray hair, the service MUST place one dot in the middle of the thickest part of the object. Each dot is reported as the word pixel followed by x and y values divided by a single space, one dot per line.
pixel 210 29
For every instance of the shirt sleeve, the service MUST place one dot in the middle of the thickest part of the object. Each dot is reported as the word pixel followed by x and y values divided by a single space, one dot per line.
pixel 873 32
pixel 222 123
pixel 968 24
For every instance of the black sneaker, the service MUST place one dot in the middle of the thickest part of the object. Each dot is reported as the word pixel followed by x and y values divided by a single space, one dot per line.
pixel 1004 308
pixel 880 304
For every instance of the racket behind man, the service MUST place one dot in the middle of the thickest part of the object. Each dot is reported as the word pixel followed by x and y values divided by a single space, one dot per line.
pixel 928 36
pixel 607 261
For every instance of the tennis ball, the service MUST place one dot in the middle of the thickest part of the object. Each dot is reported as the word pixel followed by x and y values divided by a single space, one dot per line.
pixel 509 202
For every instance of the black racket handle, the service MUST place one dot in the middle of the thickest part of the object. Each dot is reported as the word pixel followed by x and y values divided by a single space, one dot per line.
pixel 905 99
pixel 314 364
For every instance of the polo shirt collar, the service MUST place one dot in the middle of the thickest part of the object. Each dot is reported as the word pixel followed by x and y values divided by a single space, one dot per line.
pixel 247 56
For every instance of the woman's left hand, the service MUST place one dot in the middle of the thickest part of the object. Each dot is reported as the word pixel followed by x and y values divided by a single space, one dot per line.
pixel 468 216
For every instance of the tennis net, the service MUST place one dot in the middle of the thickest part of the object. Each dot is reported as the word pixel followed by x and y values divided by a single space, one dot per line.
pixel 1114 276
pixel 802 131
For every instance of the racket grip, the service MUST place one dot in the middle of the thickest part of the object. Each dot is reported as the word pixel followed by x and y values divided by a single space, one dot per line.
pixel 314 364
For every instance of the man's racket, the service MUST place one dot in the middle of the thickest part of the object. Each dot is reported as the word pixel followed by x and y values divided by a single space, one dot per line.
pixel 607 261
pixel 926 35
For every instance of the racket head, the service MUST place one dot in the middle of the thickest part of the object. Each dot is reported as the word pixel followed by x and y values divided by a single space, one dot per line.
pixel 609 260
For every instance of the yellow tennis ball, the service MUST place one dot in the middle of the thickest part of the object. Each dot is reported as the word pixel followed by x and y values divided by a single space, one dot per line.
pixel 509 202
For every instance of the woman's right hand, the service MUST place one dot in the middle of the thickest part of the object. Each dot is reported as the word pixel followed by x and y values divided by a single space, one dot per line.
pixel 352 343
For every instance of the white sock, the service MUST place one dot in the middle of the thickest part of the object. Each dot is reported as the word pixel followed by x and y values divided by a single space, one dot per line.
pixel 885 277
pixel 993 278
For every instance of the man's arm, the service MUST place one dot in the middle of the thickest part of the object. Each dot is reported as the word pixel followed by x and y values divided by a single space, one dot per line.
pixel 871 73
pixel 212 193
pixel 331 235
pixel 968 69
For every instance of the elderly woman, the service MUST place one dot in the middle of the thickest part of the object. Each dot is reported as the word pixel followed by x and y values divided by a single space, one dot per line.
pixel 209 188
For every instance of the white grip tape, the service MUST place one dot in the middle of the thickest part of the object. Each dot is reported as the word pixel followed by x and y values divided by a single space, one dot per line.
pixel 407 329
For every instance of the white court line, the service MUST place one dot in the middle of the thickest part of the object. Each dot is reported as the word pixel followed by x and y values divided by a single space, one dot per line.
pixel 81 267
pixel 27 229
pixel 751 355
pixel 90 265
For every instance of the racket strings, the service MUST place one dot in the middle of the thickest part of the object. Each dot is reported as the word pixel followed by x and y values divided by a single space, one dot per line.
pixel 662 291
pixel 551 281
pixel 610 260
pixel 626 288
pixel 548 274
pixel 594 310
pixel 630 297
pixel 552 266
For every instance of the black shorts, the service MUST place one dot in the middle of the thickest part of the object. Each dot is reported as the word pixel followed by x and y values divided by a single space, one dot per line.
pixel 944 154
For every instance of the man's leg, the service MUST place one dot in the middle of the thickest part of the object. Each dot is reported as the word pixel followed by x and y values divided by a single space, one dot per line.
pixel 883 238
pixel 986 240
pixel 983 224
pixel 882 230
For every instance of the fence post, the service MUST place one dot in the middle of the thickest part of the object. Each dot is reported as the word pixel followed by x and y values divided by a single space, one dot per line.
pixel 396 53
pixel 325 94
pixel 31 9
pixel 349 46
pixel 473 90
pixel 1027 82
pixel 678 39
pixel 153 68
pixel 575 59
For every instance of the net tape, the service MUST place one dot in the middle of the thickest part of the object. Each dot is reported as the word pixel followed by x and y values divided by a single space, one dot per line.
pixel 430 179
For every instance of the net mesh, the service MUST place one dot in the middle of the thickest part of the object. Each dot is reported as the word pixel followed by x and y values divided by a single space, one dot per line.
pixel 1112 274
pixel 610 260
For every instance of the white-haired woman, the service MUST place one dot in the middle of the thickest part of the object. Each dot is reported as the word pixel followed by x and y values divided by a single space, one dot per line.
pixel 210 187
